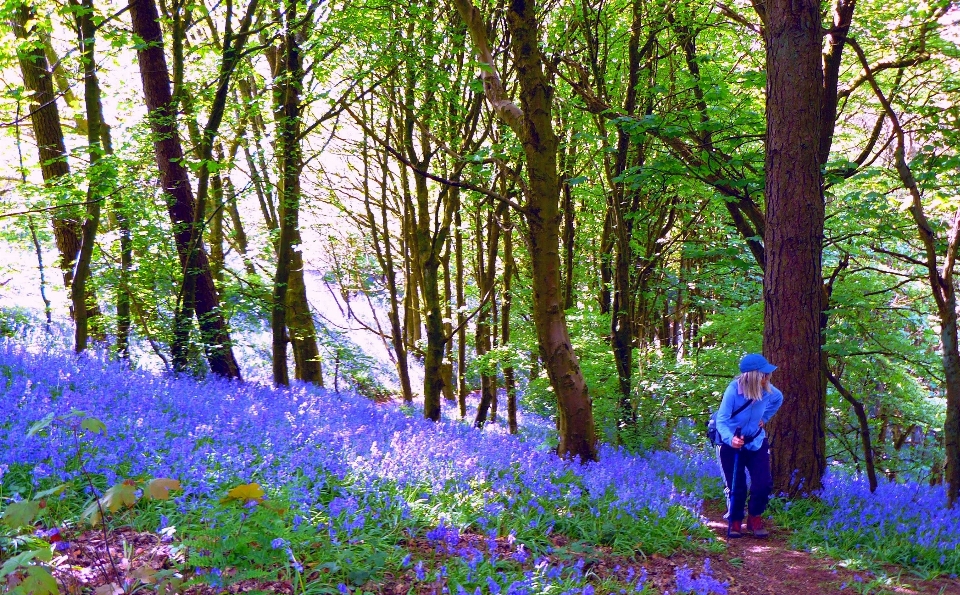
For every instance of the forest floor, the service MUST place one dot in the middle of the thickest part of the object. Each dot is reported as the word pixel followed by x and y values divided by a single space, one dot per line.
pixel 771 567
pixel 748 565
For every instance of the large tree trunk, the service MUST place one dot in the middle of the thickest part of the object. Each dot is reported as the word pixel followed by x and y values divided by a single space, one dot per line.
pixel 177 192
pixel 48 132
pixel 287 102
pixel 793 284
pixel 575 410
pixel 290 315
pixel 533 125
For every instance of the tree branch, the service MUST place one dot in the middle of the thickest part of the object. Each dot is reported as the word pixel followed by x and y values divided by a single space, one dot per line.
pixel 447 182
pixel 937 281
pixel 493 88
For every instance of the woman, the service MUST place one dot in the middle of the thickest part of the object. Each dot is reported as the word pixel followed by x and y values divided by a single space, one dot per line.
pixel 748 404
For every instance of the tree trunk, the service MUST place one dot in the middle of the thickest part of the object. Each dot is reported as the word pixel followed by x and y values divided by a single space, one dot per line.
pixel 509 268
pixel 864 423
pixel 47 129
pixel 793 284
pixel 486 275
pixel 446 368
pixel 461 318
pixel 178 194
pixel 300 324
pixel 606 262
pixel 239 235
pixel 95 185
pixel 216 228
pixel 533 125
pixel 568 161
pixel 38 249
pixel 287 78
pixel 429 274
pixel 384 249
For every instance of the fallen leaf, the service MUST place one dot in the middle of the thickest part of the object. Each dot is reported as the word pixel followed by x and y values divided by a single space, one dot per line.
pixel 145 574
pixel 109 589
pixel 159 488
pixel 247 491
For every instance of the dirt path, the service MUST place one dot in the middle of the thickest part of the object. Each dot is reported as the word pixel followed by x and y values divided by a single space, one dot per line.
pixel 770 567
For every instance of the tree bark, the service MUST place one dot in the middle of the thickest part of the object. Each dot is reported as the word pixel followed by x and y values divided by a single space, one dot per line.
pixel 48 132
pixel 486 276
pixel 176 184
pixel 509 268
pixel 793 284
pixel 446 368
pixel 461 318
pixel 606 262
pixel 567 161
pixel 864 423
pixel 95 185
pixel 533 125
pixel 216 228
pixel 290 310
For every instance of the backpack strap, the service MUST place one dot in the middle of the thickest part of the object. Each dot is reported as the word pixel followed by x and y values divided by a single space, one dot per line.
pixel 742 407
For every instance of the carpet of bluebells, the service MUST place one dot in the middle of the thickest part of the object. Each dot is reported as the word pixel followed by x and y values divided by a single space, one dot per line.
pixel 347 480
pixel 358 491
pixel 906 524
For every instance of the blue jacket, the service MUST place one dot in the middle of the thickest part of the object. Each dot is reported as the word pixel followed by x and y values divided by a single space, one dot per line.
pixel 747 420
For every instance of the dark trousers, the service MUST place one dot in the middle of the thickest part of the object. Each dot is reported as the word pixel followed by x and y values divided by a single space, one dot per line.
pixel 757 462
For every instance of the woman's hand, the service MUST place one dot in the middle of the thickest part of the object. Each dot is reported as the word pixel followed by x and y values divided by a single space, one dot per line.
pixel 736 442
pixel 761 424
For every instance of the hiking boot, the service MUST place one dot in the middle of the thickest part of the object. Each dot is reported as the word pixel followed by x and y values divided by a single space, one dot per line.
pixel 755 524
pixel 735 530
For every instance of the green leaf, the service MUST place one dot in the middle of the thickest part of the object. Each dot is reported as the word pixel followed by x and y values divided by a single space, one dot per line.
pixel 54 491
pixel 92 424
pixel 39 582
pixel 123 494
pixel 21 514
pixel 16 562
pixel 359 576
pixel 40 425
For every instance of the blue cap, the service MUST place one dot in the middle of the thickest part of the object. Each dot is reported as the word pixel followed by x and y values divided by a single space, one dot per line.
pixel 754 362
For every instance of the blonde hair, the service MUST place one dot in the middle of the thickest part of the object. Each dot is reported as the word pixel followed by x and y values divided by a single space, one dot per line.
pixel 753 384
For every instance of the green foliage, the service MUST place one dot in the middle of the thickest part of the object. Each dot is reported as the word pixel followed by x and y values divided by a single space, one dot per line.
pixel 13 321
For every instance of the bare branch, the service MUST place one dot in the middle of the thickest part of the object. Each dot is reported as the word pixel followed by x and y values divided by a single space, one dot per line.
pixel 445 181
